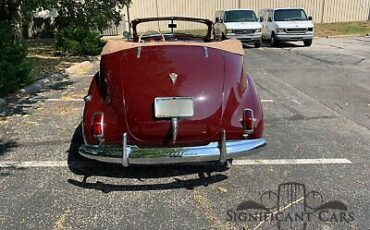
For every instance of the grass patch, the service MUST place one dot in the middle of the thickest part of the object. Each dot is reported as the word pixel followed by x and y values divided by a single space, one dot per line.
pixel 342 28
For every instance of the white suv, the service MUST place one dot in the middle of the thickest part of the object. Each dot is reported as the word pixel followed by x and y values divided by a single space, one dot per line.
pixel 286 24
pixel 241 24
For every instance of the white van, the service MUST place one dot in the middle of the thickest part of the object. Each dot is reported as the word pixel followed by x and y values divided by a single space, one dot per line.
pixel 286 24
pixel 241 24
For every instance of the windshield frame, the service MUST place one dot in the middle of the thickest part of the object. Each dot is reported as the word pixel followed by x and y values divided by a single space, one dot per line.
pixel 207 22
pixel 301 10
pixel 229 11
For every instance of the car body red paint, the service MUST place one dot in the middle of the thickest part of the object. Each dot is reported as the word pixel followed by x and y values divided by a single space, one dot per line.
pixel 128 82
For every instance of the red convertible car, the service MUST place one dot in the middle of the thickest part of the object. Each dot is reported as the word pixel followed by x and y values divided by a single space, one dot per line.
pixel 171 95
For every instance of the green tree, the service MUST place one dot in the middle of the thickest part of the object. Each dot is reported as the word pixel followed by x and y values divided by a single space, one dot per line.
pixel 10 15
pixel 14 70
pixel 93 14
pixel 80 22
pixel 18 13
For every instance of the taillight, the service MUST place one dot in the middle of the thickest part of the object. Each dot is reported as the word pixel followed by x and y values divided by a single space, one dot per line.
pixel 248 121
pixel 97 124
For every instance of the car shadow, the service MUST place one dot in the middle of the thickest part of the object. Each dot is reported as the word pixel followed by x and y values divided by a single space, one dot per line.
pixel 205 174
pixel 19 105
pixel 60 85
pixel 7 145
pixel 248 46
pixel 266 43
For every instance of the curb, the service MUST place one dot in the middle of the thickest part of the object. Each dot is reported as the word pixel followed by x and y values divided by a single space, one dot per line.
pixel 52 80
pixel 37 86
pixel 2 104
pixel 345 35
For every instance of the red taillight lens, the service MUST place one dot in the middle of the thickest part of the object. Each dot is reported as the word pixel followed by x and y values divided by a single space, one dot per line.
pixel 249 121
pixel 97 124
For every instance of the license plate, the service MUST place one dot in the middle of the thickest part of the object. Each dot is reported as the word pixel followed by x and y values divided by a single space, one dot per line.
pixel 166 107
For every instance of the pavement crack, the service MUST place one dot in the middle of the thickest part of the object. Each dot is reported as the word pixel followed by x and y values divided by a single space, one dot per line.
pixel 298 117
pixel 360 40
pixel 339 47
pixel 329 108
pixel 277 211
pixel 359 61
pixel 203 203
pixel 314 58
pixel 266 89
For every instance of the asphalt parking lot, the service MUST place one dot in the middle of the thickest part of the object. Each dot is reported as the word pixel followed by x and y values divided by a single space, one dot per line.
pixel 317 123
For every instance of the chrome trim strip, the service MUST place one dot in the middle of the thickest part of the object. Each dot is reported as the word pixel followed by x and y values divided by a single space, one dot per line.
pixel 124 150
pixel 138 52
pixel 150 156
pixel 87 98
pixel 83 125
pixel 205 51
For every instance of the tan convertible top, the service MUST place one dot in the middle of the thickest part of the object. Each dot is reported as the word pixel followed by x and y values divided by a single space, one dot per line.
pixel 231 45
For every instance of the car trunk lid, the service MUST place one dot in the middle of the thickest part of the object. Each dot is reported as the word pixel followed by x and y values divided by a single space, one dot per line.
pixel 149 72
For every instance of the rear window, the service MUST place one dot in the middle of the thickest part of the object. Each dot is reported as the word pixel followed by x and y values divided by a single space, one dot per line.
pixel 290 15
pixel 240 16
pixel 180 27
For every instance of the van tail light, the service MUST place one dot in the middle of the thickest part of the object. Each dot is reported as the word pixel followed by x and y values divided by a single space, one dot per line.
pixel 97 124
pixel 248 121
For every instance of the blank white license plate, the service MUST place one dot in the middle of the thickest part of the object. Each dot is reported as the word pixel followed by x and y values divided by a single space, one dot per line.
pixel 165 107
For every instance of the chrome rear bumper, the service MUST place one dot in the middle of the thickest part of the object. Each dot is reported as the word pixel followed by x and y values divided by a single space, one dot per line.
pixel 132 155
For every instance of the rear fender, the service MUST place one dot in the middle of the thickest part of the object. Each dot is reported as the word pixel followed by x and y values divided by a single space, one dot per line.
pixel 98 101
pixel 252 100
pixel 240 93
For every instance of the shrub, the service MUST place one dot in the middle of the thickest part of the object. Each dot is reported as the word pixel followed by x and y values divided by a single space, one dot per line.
pixel 79 41
pixel 14 70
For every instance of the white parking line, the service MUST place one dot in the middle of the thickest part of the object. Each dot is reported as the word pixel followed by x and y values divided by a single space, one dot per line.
pixel 297 102
pixel 267 101
pixel 32 164
pixel 69 99
pixel 43 164
pixel 292 161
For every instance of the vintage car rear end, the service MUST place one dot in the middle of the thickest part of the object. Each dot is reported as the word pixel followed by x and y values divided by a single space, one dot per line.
pixel 171 102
